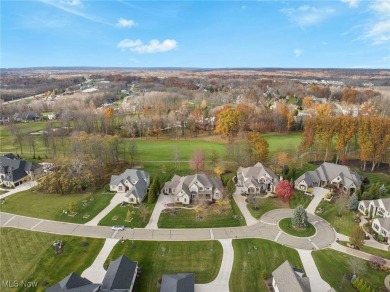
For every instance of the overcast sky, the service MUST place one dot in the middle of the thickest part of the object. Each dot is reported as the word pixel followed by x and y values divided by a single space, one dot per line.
pixel 209 34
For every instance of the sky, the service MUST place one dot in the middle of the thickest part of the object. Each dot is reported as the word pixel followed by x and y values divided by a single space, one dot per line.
pixel 197 34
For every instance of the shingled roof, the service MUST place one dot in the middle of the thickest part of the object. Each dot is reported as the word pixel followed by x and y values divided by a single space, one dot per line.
pixel 288 281
pixel 74 282
pixel 178 283
pixel 120 274
pixel 14 168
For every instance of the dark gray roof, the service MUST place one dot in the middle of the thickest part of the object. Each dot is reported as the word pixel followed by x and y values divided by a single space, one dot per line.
pixel 178 283
pixel 138 178
pixel 287 281
pixel 120 274
pixel 183 183
pixel 74 282
pixel 384 223
pixel 14 168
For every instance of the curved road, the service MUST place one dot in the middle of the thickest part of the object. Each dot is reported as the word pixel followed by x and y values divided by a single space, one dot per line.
pixel 266 228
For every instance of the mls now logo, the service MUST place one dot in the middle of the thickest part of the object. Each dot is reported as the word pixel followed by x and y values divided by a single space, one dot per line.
pixel 17 284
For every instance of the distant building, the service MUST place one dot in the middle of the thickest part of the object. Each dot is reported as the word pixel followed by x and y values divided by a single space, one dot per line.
pixel 286 279
pixel 14 171
pixel 109 101
pixel 28 116
pixel 178 283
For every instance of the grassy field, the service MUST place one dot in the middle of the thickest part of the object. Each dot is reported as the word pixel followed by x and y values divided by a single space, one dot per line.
pixel 51 206
pixel 333 265
pixel 28 256
pixel 286 225
pixel 268 204
pixel 343 224
pixel 252 256
pixel 187 218
pixel 379 252
pixel 121 213
pixel 203 258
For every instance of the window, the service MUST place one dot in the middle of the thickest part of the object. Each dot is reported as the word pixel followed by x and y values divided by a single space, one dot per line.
pixel 132 200
pixel 376 226
pixel 120 188
pixel 384 232
pixel 201 188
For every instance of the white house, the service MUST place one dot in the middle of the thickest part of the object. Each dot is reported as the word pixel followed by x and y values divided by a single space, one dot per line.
pixel 197 186
pixel 373 208
pixel 330 173
pixel 256 179
pixel 133 182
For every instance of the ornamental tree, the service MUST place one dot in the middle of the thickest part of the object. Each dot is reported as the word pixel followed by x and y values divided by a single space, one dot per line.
pixel 383 190
pixel 300 218
pixel 353 202
pixel 284 190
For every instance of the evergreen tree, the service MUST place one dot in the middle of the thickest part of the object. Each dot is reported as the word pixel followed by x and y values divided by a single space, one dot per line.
pixel 300 217
pixel 383 190
pixel 153 191
pixel 353 202
pixel 230 188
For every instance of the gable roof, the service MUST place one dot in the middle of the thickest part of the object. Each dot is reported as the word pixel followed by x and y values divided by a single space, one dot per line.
pixel 133 175
pixel 287 281
pixel 120 274
pixel 383 222
pixel 14 168
pixel 178 283
pixel 257 171
pixel 183 183
pixel 74 282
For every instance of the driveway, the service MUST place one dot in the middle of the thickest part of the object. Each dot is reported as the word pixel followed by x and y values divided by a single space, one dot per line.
pixel 316 282
pixel 95 273
pixel 319 194
pixel 160 205
pixel 23 187
pixel 221 282
pixel 115 201
pixel 242 205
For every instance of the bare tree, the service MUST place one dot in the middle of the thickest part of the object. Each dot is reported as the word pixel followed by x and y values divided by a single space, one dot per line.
pixel 133 151
pixel 197 160
pixel 341 203
pixel 143 212
pixel 358 266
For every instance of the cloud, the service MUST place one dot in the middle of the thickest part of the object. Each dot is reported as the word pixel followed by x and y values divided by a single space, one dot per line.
pixel 306 15
pixel 74 3
pixel 378 30
pixel 134 60
pixel 243 7
pixel 298 53
pixel 351 3
pixel 126 23
pixel 154 46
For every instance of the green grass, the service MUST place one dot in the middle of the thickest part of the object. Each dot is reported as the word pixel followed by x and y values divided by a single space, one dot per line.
pixel 185 218
pixel 286 225
pixel 51 206
pixel 266 204
pixel 299 199
pixel 275 140
pixel 377 178
pixel 333 265
pixel 268 256
pixel 179 257
pixel 343 224
pixel 121 213
pixel 28 255
pixel 375 251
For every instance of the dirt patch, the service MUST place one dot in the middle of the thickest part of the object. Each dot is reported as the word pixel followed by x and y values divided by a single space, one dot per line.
pixel 356 163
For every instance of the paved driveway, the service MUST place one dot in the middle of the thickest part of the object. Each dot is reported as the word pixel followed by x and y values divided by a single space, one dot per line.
pixel 319 194
pixel 240 201
pixel 160 205
pixel 19 188
pixel 115 201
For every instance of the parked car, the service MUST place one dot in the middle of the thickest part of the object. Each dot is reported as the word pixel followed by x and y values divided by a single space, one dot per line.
pixel 118 227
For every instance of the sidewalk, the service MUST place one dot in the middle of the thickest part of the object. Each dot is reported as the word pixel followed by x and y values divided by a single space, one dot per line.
pixel 319 194
pixel 221 282
pixel 160 205
pixel 316 282
pixel 240 201
pixel 115 201
pixel 95 273
pixel 23 187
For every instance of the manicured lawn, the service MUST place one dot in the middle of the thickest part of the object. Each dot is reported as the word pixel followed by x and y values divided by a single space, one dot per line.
pixel 343 224
pixel 286 225
pixel 158 258
pixel 28 255
pixel 265 205
pixel 368 249
pixel 377 178
pixel 121 213
pixel 51 206
pixel 289 141
pixel 299 199
pixel 185 218
pixel 268 256
pixel 333 265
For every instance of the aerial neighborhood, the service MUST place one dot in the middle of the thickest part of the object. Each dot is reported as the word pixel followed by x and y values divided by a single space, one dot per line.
pixel 187 180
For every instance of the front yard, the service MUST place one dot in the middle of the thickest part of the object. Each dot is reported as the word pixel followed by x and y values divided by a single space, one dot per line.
pixel 157 258
pixel 51 206
pixel 29 256
pixel 343 224
pixel 375 251
pixel 118 216
pixel 252 256
pixel 333 267
pixel 188 218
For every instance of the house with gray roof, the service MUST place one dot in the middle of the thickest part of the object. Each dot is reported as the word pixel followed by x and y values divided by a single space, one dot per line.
pixel 27 116
pixel 374 208
pixel 14 171
pixel 256 179
pixel 133 182
pixel 120 276
pixel 330 173
pixel 183 282
pixel 197 186
pixel 285 279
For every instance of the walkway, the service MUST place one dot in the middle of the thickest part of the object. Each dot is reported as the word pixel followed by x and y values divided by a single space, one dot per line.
pixel 95 273
pixel 319 194
pixel 316 282
pixel 160 205
pixel 20 188
pixel 221 282
pixel 242 205
pixel 371 242
pixel 115 201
